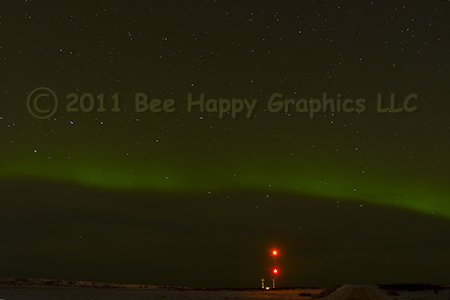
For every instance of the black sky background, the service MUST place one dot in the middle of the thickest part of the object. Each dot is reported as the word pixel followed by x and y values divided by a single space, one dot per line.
pixel 188 198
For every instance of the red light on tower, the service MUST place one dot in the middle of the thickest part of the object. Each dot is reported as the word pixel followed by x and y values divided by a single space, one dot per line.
pixel 274 252
pixel 275 271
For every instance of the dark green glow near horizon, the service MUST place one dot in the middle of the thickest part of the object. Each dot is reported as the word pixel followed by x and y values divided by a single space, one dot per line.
pixel 321 180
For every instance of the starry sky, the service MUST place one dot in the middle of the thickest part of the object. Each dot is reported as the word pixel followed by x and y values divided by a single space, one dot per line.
pixel 101 190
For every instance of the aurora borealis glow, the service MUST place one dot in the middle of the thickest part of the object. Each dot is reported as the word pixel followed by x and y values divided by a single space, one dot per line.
pixel 323 180
pixel 338 191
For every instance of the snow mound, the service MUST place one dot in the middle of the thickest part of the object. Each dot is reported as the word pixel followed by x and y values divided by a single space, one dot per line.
pixel 360 292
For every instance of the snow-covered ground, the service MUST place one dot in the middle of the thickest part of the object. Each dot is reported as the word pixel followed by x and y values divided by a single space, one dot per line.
pixel 71 293
pixel 373 292
pixel 346 292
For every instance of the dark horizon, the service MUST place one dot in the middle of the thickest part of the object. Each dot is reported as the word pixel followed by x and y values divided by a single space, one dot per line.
pixel 122 237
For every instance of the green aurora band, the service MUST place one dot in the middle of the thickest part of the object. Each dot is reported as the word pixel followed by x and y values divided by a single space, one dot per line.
pixel 320 179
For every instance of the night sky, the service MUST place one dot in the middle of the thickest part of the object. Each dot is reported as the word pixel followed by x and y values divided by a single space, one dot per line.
pixel 170 196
